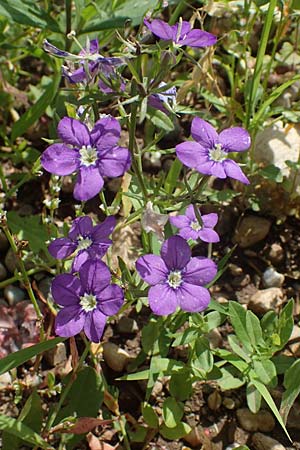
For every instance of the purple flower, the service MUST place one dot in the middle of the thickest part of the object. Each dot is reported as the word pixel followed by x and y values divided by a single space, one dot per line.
pixel 190 227
pixel 90 242
pixel 181 33
pixel 176 278
pixel 158 100
pixel 93 154
pixel 87 301
pixel 209 154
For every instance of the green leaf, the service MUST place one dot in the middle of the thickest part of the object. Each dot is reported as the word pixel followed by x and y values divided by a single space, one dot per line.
pixel 203 359
pixel 171 181
pixel 172 412
pixel 292 385
pixel 150 416
pixel 228 381
pixel 272 173
pixel 282 363
pixel 28 13
pixel 236 348
pixel 16 428
pixel 181 430
pixel 269 400
pixel 36 110
pixel 213 319
pixel 286 323
pixel 237 315
pixel 253 398
pixel 160 120
pixel 180 385
pixel 265 371
pixel 17 358
pixel 29 228
pixel 254 329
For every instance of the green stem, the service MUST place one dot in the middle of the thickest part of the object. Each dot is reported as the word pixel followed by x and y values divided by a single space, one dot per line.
pixel 67 389
pixel 179 8
pixel 259 61
pixel 25 277
pixel 68 8
pixel 19 276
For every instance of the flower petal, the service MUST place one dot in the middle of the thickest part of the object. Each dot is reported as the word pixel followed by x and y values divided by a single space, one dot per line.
pixel 233 170
pixel 81 226
pixel 94 276
pixel 69 321
pixel 175 252
pixel 76 76
pixel 110 300
pixel 82 257
pixel 104 229
pixel 66 289
pixel 200 271
pixel 152 269
pixel 185 28
pixel 73 132
pixel 60 159
pixel 88 184
pixel 191 154
pixel 179 221
pixel 190 213
pixel 114 161
pixel 61 248
pixel 162 299
pixel 94 325
pixel 162 29
pixel 210 220
pixel 106 133
pixel 208 235
pixel 214 168
pixel 193 298
pixel 235 139
pixel 204 133
pixel 188 233
pixel 198 38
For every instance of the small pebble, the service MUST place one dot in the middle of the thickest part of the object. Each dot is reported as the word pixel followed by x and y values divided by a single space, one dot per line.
pixel 5 379
pixel 115 357
pixel 214 401
pixel 45 286
pixel 251 230
pixel 3 272
pixel 127 325
pixel 272 278
pixel 11 261
pixel 229 403
pixel 262 442
pixel 265 300
pixel 13 294
pixel 56 355
pixel 4 244
pixel 276 254
pixel 262 421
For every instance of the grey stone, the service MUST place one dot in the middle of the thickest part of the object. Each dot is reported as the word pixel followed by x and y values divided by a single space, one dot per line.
pixel 11 261
pixel 3 272
pixel 13 294
pixel 272 278
pixel 127 325
pixel 4 244
pixel 45 286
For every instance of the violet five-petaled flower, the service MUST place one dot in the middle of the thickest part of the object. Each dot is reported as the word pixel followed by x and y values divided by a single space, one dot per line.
pixel 87 301
pixel 176 278
pixel 208 154
pixel 190 228
pixel 93 154
pixel 180 33
pixel 88 241
pixel 160 99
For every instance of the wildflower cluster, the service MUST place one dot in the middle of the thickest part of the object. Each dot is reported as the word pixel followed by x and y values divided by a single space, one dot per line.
pixel 89 148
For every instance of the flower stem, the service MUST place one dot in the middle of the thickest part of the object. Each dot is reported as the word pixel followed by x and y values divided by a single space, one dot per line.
pixel 68 8
pixel 67 389
pixel 25 278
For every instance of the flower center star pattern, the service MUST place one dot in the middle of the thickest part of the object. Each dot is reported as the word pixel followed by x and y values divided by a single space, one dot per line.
pixel 208 153
pixel 86 300
pixel 92 154
pixel 176 279
pixel 190 228
pixel 86 240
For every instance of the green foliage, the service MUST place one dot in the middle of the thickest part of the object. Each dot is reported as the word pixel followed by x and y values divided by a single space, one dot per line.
pixel 16 428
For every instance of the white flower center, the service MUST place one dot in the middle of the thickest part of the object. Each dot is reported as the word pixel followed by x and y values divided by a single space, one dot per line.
pixel 83 243
pixel 88 302
pixel 195 225
pixel 174 279
pixel 217 154
pixel 88 155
